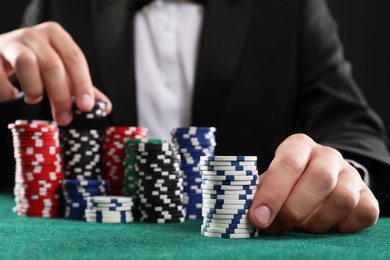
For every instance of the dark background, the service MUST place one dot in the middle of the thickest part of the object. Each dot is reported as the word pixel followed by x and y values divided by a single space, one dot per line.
pixel 364 29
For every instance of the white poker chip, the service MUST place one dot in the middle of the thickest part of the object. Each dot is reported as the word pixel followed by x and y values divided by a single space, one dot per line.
pixel 227 168
pixel 229 173
pixel 228 197
pixel 225 211
pixel 231 183
pixel 228 226
pixel 228 187
pixel 228 158
pixel 110 199
pixel 222 235
pixel 228 192
pixel 225 206
pixel 207 220
pixel 228 163
pixel 227 202
pixel 229 230
pixel 230 178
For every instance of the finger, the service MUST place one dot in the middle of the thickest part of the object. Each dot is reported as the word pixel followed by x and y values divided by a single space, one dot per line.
pixel 313 188
pixel 365 214
pixel 7 90
pixel 289 163
pixel 100 96
pixel 75 64
pixel 342 201
pixel 53 76
pixel 25 65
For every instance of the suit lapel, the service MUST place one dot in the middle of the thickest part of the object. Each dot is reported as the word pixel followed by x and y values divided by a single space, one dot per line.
pixel 113 32
pixel 223 36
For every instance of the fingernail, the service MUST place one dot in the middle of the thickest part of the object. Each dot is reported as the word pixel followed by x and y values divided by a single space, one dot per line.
pixel 262 215
pixel 86 101
pixel 65 118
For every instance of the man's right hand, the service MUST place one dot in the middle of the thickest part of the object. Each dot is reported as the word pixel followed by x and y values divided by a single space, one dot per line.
pixel 45 58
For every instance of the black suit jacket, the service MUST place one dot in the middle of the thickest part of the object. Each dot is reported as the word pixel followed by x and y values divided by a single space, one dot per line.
pixel 266 69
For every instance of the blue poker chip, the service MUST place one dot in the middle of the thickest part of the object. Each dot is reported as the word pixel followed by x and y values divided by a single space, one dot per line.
pixel 74 182
pixel 194 129
pixel 238 183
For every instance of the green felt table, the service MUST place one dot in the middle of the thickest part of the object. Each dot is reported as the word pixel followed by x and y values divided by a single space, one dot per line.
pixel 58 238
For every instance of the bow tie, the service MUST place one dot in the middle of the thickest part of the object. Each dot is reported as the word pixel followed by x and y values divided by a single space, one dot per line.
pixel 141 3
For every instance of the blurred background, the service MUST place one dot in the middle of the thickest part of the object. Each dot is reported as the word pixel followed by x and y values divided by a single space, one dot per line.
pixel 363 27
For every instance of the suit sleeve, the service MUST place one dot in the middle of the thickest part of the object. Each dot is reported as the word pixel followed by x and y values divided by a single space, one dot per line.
pixel 332 108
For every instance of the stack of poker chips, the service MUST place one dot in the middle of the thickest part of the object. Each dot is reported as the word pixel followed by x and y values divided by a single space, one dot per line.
pixel 109 209
pixel 160 182
pixel 193 142
pixel 130 179
pixel 114 154
pixel 38 167
pixel 76 194
pixel 229 184
pixel 82 153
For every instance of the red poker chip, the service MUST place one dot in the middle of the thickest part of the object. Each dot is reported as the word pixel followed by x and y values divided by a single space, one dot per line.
pixel 39 158
pixel 26 203
pixel 30 150
pixel 37 183
pixel 54 212
pixel 124 129
pixel 40 169
pixel 35 196
pixel 35 133
pixel 36 144
pixel 31 178
pixel 38 163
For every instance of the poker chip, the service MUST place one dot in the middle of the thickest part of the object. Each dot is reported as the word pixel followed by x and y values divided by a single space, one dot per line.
pixel 227 197
pixel 228 235
pixel 97 111
pixel 38 169
pixel 193 143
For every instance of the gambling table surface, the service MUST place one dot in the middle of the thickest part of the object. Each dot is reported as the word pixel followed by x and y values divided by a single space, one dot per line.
pixel 59 238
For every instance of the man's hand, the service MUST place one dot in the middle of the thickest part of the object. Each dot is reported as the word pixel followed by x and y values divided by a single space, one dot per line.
pixel 46 58
pixel 312 187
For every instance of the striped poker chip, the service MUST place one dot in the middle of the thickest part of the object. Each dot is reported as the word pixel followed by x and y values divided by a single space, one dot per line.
pixel 224 211
pixel 229 173
pixel 248 230
pixel 227 163
pixel 230 178
pixel 231 183
pixel 97 111
pixel 227 168
pixel 229 158
pixel 225 235
pixel 228 226
pixel 207 220
pixel 110 199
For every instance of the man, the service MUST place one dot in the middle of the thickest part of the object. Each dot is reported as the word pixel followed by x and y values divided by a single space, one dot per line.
pixel 269 75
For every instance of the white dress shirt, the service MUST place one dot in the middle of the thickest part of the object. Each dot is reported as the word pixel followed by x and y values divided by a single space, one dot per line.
pixel 167 34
